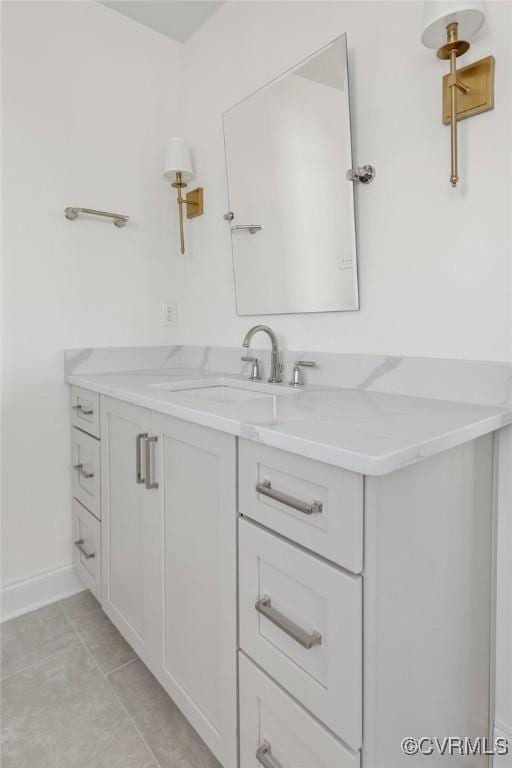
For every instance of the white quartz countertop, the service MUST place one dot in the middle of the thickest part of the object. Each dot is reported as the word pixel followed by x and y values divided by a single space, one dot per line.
pixel 368 432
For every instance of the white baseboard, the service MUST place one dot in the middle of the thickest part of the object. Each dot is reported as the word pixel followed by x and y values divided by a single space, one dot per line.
pixel 42 589
pixel 503 732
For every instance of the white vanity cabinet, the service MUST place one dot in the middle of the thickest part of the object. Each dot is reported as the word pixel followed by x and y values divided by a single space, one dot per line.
pixel 299 614
pixel 403 649
pixel 169 559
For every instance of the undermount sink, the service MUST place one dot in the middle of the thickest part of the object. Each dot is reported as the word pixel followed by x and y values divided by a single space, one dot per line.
pixel 224 390
pixel 224 394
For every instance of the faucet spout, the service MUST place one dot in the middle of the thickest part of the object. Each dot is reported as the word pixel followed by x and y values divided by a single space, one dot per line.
pixel 275 367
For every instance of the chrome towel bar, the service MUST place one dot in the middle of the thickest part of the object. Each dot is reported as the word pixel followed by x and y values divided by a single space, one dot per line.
pixel 119 219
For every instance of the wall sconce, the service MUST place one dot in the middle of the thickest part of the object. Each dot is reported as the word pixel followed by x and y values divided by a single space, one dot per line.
pixel 447 27
pixel 178 166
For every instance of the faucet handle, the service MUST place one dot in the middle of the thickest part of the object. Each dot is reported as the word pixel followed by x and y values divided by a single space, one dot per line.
pixel 255 368
pixel 297 373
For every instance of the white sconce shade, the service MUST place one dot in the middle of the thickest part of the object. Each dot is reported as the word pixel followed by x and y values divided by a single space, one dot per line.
pixel 177 159
pixel 467 14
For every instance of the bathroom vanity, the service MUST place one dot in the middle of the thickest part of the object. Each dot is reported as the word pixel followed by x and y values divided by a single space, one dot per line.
pixel 309 574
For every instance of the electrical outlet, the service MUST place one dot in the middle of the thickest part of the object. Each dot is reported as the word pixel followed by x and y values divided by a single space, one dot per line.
pixel 169 313
pixel 345 261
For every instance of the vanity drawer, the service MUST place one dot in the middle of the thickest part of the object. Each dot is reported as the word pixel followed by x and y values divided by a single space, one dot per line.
pixel 85 483
pixel 301 621
pixel 333 527
pixel 85 410
pixel 274 725
pixel 87 548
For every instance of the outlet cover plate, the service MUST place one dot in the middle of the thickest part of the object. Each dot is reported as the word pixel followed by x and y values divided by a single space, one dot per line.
pixel 169 313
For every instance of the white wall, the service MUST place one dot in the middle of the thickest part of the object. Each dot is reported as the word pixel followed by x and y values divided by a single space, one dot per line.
pixel 434 263
pixel 89 98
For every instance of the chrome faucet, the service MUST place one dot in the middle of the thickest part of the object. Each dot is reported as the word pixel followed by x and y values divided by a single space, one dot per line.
pixel 275 366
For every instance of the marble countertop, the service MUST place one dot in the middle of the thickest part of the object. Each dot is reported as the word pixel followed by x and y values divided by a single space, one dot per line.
pixel 368 432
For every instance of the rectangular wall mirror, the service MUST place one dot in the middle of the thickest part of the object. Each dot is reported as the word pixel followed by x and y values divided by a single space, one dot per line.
pixel 288 149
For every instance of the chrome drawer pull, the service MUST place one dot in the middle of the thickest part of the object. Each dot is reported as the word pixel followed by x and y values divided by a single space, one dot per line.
pixel 82 410
pixel 80 545
pixel 150 484
pixel 265 488
pixel 264 756
pixel 81 471
pixel 264 606
pixel 138 461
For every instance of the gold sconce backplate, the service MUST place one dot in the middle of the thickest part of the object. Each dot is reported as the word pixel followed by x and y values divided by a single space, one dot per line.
pixel 479 78
pixel 194 201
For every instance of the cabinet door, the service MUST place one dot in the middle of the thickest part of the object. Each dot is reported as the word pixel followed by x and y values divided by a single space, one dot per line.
pixel 196 533
pixel 127 523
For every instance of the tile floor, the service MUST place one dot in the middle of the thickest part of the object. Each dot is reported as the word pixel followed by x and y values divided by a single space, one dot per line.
pixel 75 695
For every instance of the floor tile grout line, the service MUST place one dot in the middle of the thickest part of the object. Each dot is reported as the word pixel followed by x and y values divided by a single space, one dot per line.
pixel 121 666
pixel 113 690
pixel 76 642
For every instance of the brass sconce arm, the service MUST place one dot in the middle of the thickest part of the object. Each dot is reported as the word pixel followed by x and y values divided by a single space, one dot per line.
pixel 179 184
pixel 453 48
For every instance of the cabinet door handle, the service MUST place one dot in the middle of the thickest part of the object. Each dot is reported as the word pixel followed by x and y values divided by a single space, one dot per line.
pixel 265 488
pixel 150 483
pixel 138 460
pixel 265 757
pixel 264 606
pixel 80 545
pixel 81 471
pixel 82 410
